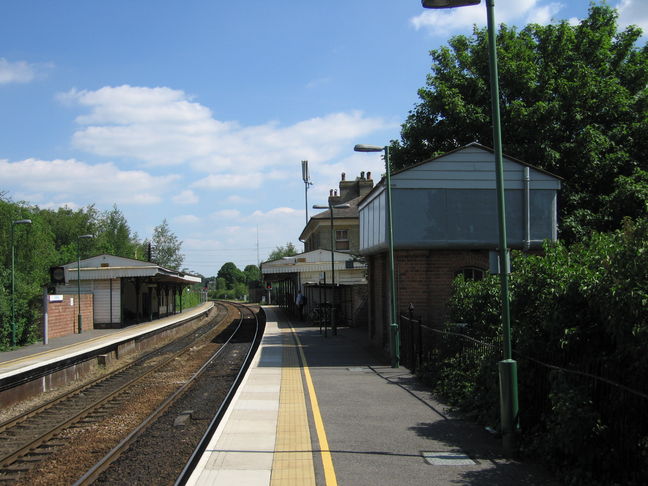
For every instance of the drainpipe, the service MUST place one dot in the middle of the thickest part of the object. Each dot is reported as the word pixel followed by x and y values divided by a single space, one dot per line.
pixel 526 243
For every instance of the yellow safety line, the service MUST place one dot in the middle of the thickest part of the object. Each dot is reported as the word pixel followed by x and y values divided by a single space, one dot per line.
pixel 327 460
pixel 292 464
pixel 84 344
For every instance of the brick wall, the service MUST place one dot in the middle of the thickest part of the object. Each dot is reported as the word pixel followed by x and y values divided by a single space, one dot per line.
pixel 62 316
pixel 423 278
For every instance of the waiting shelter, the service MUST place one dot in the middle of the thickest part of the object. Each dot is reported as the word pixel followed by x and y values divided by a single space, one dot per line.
pixel 117 291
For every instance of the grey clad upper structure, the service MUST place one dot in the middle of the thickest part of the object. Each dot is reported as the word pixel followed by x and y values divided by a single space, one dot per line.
pixel 450 202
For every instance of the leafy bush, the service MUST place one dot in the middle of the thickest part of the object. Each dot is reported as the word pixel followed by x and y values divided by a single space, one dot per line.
pixel 580 308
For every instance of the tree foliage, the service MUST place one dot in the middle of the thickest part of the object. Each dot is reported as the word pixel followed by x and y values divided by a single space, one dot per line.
pixel 231 274
pixel 574 101
pixel 580 308
pixel 282 251
pixel 252 274
pixel 52 239
pixel 166 247
pixel 231 282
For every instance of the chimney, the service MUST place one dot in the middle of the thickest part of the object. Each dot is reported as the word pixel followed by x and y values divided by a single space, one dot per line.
pixel 347 189
pixel 365 185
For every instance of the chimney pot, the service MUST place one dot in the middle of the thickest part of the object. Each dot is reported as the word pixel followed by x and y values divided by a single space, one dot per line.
pixel 343 176
pixel 335 192
pixel 362 175
pixel 369 175
pixel 331 192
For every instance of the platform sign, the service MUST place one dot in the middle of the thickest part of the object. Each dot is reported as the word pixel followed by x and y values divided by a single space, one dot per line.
pixel 55 298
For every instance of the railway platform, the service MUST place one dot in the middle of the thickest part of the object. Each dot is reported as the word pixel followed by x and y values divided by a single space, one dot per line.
pixel 315 410
pixel 69 347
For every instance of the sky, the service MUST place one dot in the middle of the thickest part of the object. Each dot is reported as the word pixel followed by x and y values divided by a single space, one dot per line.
pixel 201 111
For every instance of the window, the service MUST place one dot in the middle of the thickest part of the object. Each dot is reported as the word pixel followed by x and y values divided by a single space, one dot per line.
pixel 341 239
pixel 471 273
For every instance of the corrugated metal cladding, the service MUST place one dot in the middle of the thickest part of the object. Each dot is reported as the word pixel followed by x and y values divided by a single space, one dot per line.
pixel 107 303
pixel 451 202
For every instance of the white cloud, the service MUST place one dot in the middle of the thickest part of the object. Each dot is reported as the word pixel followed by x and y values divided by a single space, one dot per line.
pixel 235 199
pixel 185 197
pixel 226 214
pixel 230 181
pixel 544 14
pixel 283 211
pixel 445 21
pixel 162 126
pixel 16 72
pixel 634 12
pixel 69 180
pixel 186 219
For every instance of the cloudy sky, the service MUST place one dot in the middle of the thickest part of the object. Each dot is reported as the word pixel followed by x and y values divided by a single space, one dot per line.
pixel 200 111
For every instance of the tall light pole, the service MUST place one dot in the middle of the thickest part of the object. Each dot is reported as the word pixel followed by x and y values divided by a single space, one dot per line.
pixel 13 297
pixel 394 336
pixel 507 367
pixel 307 182
pixel 79 317
pixel 330 207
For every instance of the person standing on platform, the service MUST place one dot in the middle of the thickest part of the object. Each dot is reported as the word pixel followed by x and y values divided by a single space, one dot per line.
pixel 300 300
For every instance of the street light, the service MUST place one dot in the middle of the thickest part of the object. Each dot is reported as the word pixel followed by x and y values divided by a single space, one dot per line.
pixel 331 207
pixel 507 367
pixel 79 318
pixel 13 298
pixel 394 337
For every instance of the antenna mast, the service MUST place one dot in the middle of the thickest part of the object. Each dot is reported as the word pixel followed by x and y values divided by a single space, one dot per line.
pixel 307 182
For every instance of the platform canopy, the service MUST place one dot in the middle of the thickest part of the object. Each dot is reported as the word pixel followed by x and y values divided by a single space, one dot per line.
pixel 106 267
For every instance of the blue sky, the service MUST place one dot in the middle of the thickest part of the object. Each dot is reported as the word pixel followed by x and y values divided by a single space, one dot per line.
pixel 200 111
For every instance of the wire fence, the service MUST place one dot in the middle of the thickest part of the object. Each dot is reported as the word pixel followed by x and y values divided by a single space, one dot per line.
pixel 595 417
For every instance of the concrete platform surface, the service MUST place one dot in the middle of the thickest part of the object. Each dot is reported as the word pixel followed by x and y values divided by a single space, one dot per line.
pixel 317 410
pixel 59 349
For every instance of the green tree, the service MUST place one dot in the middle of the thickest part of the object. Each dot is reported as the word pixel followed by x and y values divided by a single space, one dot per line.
pixel 166 247
pixel 66 225
pixel 574 101
pixel 34 253
pixel 252 274
pixel 231 274
pixel 282 251
pixel 114 234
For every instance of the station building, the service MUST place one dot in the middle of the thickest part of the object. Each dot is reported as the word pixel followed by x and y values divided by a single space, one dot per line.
pixel 445 222
pixel 328 273
pixel 115 292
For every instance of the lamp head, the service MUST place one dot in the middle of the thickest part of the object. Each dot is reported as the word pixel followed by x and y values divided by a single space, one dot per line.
pixel 85 236
pixel 368 148
pixel 448 3
pixel 22 221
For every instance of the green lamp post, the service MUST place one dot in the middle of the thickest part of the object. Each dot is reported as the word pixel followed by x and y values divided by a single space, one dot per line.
pixel 507 367
pixel 13 285
pixel 79 317
pixel 394 337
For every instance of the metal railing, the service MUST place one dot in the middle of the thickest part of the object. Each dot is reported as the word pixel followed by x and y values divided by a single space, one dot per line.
pixel 561 397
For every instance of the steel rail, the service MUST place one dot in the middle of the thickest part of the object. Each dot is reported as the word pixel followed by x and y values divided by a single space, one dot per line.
pixel 12 422
pixel 189 468
pixel 104 463
pixel 10 459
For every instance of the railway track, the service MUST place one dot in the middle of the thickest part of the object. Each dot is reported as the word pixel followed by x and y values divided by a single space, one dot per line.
pixel 60 440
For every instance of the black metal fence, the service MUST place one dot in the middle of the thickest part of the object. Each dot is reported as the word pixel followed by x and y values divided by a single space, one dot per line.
pixel 594 418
